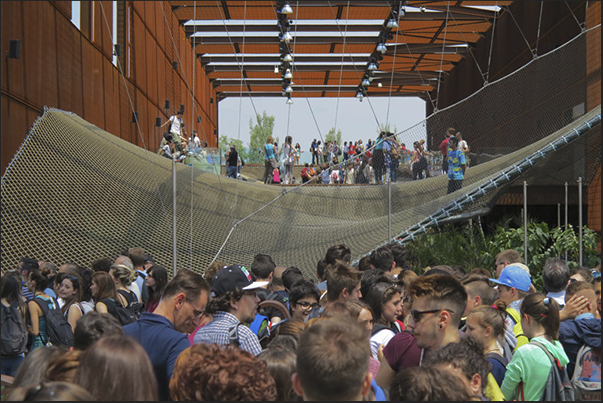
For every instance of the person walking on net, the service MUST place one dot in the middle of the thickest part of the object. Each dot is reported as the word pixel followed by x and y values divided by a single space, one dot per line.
pixel 176 125
pixel 456 166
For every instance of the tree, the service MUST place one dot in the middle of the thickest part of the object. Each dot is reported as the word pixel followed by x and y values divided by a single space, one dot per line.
pixel 386 128
pixel 224 143
pixel 332 137
pixel 259 133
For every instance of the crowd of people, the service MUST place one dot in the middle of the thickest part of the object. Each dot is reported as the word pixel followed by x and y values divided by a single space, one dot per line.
pixel 376 330
pixel 376 162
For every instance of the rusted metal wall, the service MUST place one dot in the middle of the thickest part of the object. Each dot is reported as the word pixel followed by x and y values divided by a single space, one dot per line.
pixel 62 67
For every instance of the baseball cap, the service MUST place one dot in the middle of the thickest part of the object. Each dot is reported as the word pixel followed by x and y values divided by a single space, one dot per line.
pixel 233 277
pixel 514 276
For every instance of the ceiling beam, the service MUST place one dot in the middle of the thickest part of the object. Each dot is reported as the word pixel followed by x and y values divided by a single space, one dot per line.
pixel 299 40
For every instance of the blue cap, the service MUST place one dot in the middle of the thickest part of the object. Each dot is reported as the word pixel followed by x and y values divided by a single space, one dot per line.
pixel 515 277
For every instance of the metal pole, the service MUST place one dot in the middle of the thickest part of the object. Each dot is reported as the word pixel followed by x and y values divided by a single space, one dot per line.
pixel 580 218
pixel 525 222
pixel 566 216
pixel 389 214
pixel 174 213
pixel 559 215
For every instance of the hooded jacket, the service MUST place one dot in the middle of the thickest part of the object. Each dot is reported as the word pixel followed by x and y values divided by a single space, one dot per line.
pixel 531 366
pixel 573 334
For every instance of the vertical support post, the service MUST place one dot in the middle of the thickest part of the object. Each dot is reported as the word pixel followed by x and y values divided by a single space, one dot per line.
pixel 580 219
pixel 525 222
pixel 389 213
pixel 174 249
pixel 559 215
pixel 566 187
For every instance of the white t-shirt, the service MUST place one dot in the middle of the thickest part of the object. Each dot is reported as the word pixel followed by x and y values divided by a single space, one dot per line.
pixel 175 126
pixel 134 287
pixel 462 145
pixel 381 337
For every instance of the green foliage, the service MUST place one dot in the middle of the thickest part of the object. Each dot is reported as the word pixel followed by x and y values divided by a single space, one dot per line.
pixel 258 134
pixel 331 136
pixel 466 246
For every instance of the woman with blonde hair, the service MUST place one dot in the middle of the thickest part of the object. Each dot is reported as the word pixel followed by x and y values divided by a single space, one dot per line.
pixel 123 277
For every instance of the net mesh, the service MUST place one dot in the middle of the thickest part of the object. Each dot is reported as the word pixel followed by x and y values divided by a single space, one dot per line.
pixel 75 193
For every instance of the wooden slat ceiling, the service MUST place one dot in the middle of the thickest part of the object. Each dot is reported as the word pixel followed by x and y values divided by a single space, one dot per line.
pixel 333 43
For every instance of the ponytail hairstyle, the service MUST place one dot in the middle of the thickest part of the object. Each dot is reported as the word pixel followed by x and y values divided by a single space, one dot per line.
pixel 123 273
pixel 543 310
pixel 492 316
pixel 41 279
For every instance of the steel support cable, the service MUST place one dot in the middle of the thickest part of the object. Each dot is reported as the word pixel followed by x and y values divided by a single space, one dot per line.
pixel 442 58
pixel 491 46
pixel 539 25
pixel 581 25
pixel 347 14
pixel 355 68
pixel 466 43
pixel 520 31
pixel 505 177
pixel 195 111
pixel 391 80
pixel 193 58
pixel 163 209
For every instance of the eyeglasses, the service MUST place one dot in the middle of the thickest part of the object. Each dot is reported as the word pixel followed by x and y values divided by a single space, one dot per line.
pixel 196 312
pixel 306 304
pixel 418 315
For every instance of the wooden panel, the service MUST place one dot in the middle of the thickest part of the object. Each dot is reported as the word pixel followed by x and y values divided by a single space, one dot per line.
pixel 139 60
pixel 69 66
pixel 111 97
pixel 64 6
pixel 151 67
pixel 88 51
pixel 14 121
pixel 13 77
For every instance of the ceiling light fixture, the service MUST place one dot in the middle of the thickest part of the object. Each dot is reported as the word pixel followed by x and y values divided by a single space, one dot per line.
pixel 288 74
pixel 366 82
pixel 392 23
pixel 372 66
pixel 287 37
pixel 381 48
pixel 288 90
pixel 288 58
pixel 286 8
pixel 359 96
pixel 289 101
pixel 275 69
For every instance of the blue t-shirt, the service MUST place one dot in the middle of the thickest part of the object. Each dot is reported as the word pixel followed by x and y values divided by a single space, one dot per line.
pixel 379 144
pixel 163 344
pixel 269 151
pixel 455 160
pixel 498 370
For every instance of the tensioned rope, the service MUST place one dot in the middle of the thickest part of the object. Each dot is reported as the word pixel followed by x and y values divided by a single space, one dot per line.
pixel 138 129
pixel 539 25
pixel 442 58
pixel 391 79
pixel 468 47
pixel 347 14
pixel 491 45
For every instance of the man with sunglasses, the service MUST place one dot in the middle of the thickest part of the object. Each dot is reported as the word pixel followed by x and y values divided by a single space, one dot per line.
pixel 163 333
pixel 438 302
pixel 234 304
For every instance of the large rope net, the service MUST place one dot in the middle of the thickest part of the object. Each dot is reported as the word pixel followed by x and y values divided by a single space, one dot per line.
pixel 76 193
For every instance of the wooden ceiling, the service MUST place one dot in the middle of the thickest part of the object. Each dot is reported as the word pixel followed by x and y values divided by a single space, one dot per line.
pixel 332 45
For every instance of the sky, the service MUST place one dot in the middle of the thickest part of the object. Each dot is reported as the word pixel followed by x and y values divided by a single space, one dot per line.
pixel 308 118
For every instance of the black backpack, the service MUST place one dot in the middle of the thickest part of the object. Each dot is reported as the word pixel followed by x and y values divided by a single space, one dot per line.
pixel 136 307
pixel 58 329
pixel 123 315
pixel 14 332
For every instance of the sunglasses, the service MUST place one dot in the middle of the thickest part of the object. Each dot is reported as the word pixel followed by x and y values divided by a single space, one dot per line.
pixel 418 315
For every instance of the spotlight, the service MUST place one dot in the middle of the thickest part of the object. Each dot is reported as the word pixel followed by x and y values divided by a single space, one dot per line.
pixel 288 58
pixel 287 37
pixel 372 66
pixel 287 9
pixel 288 74
pixel 422 8
pixel 402 11
pixel 275 69
pixel 289 101
pixel 366 82
pixel 392 23
pixel 359 96
pixel 288 90
pixel 379 85
pixel 381 48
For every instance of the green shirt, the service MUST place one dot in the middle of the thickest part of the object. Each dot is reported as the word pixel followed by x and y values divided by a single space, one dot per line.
pixel 531 366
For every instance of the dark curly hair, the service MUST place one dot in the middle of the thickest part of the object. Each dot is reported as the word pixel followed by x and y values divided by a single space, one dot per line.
pixel 206 372
pixel 467 355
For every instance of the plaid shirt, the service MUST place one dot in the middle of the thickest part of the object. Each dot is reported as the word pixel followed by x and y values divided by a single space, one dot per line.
pixel 216 332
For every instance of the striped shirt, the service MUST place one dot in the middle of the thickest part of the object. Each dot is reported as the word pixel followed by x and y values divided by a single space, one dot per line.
pixel 216 332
